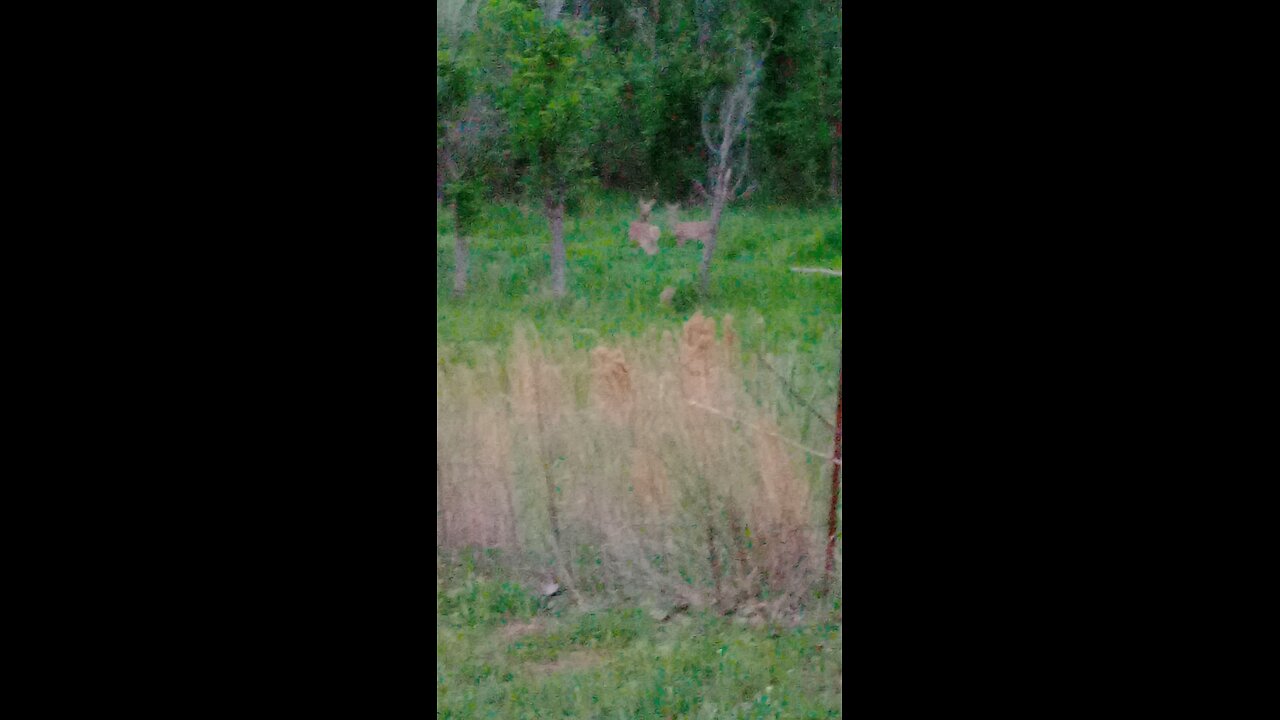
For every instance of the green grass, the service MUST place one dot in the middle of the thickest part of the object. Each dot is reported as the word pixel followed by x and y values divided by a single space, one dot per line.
pixel 503 653
pixel 500 653
pixel 614 286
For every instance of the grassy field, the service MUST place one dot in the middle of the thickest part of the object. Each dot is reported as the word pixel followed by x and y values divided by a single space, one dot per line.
pixel 668 464
pixel 504 653
pixel 614 286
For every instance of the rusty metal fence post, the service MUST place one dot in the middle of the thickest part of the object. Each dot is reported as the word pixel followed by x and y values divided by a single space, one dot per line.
pixel 837 464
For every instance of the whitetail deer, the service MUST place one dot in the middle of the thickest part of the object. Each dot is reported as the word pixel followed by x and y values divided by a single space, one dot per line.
pixel 644 234
pixel 685 231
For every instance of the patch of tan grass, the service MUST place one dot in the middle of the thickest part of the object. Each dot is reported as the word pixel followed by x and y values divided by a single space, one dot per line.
pixel 475 487
pixel 664 490
pixel 781 508
pixel 611 385
pixel 516 630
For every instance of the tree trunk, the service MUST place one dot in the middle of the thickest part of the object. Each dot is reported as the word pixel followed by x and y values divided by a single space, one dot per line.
pixel 460 255
pixel 835 187
pixel 709 248
pixel 555 216
pixel 704 268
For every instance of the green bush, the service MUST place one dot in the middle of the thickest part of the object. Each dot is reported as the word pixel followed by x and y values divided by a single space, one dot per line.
pixel 686 298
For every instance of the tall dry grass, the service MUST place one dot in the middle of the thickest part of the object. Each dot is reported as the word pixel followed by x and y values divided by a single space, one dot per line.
pixel 659 468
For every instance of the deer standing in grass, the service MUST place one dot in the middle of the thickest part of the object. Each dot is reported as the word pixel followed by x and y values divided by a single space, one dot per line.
pixel 685 231
pixel 644 234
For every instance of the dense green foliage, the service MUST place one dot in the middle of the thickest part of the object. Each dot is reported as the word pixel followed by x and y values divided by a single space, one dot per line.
pixel 555 99
pixel 614 90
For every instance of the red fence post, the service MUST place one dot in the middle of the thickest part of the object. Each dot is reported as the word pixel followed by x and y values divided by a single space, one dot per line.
pixel 836 466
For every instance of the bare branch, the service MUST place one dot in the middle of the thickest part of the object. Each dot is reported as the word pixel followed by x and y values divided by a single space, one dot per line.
pixel 734 121
pixel 742 95
pixel 726 125
pixel 551 9
pixel 792 391
pixel 454 18
pixel 645 27
pixel 769 44
pixel 787 440
pixel 706 136
pixel 746 164
pixel 822 271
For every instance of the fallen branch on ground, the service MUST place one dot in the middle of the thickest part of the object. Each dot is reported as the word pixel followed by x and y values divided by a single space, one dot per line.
pixel 824 271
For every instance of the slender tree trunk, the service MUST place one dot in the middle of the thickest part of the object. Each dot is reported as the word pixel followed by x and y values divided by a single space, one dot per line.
pixel 704 268
pixel 709 249
pixel 460 255
pixel 555 216
pixel 835 153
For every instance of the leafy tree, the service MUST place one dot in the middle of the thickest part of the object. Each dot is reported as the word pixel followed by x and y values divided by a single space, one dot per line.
pixel 463 124
pixel 799 102
pixel 560 88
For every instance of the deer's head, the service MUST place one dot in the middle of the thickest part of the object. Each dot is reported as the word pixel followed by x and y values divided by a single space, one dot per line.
pixel 646 207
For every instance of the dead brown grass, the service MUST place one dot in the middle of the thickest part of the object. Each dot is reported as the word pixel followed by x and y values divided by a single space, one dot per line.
pixel 651 454
pixel 474 492
pixel 516 630
pixel 611 385
pixel 781 508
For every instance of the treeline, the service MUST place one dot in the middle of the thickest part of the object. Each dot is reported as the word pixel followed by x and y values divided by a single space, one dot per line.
pixel 703 100
pixel 654 64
